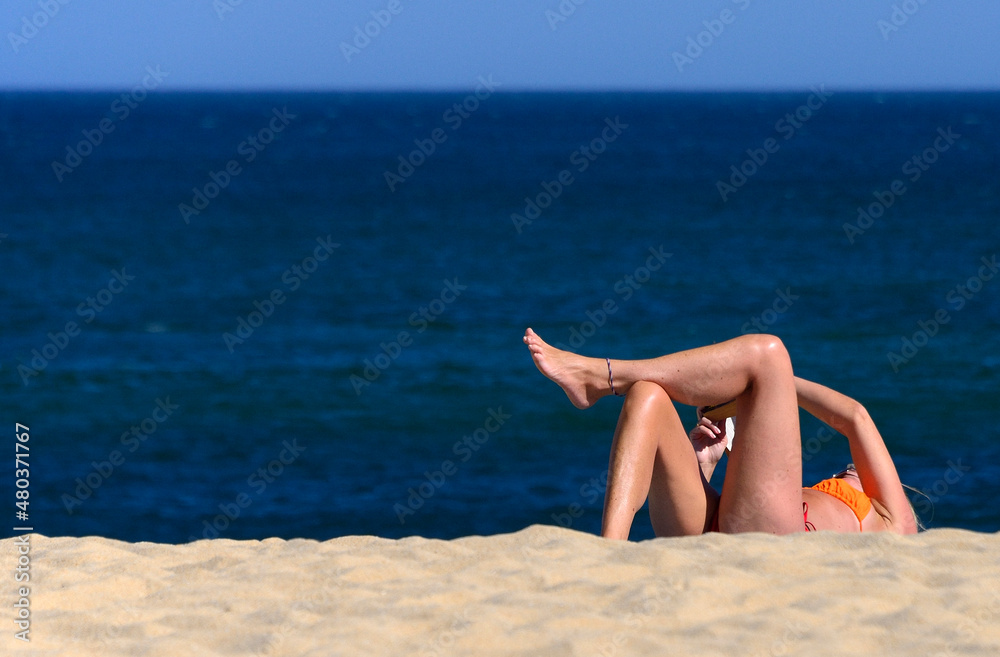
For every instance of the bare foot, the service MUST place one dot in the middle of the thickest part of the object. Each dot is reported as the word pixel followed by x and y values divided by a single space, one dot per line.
pixel 580 377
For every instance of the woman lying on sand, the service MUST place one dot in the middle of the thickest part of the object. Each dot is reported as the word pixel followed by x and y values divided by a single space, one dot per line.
pixel 653 456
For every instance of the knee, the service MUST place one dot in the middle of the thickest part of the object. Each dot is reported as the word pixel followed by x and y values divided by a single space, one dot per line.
pixel 644 394
pixel 768 349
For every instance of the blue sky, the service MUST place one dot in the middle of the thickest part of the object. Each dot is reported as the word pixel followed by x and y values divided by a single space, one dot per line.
pixel 523 44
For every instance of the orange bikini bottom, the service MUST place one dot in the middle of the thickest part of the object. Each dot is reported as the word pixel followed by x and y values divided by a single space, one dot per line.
pixel 855 499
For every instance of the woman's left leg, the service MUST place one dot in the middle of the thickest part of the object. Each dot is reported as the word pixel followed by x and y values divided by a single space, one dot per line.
pixel 652 456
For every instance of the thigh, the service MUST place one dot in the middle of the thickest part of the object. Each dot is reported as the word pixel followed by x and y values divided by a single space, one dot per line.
pixel 681 503
pixel 763 487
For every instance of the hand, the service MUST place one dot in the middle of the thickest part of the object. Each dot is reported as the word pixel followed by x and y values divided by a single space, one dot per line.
pixel 709 441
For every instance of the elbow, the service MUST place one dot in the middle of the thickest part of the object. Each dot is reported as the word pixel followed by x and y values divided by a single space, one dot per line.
pixel 858 415
pixel 906 524
pixel 849 419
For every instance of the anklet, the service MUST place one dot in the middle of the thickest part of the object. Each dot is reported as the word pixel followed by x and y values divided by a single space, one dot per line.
pixel 611 380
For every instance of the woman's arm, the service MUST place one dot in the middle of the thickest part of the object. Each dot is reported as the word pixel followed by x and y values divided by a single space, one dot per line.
pixel 871 458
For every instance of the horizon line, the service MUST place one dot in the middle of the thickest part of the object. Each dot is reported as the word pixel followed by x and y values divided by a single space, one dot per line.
pixel 195 89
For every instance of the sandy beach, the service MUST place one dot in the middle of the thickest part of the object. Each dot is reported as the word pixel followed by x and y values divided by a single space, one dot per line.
pixel 540 591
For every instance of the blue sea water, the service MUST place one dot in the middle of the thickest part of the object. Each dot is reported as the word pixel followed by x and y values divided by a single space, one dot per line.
pixel 327 339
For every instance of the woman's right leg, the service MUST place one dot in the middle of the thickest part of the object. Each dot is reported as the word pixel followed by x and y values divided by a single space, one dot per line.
pixel 763 487
pixel 651 456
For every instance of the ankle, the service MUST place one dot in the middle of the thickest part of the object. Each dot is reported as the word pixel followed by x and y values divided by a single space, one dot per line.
pixel 611 380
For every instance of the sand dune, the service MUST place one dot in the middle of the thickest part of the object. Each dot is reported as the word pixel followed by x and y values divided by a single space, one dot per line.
pixel 540 591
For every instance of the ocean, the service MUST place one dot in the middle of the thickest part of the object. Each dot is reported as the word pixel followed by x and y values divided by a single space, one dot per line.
pixel 300 314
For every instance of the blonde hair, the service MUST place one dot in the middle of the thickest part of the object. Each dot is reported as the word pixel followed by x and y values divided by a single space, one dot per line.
pixel 916 517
